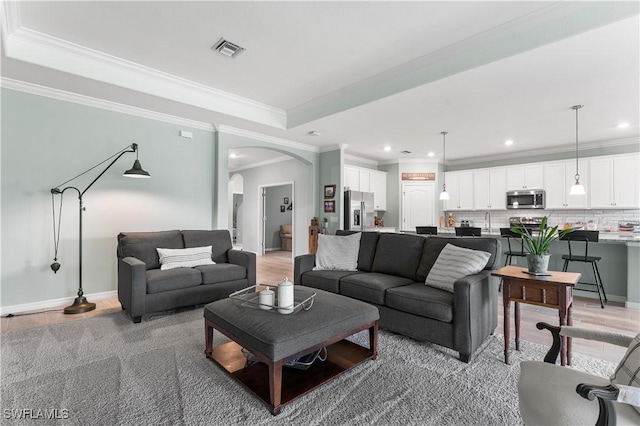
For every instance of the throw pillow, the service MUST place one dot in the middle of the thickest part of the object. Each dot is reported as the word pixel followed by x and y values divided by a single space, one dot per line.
pixel 628 374
pixel 338 252
pixel 184 258
pixel 453 263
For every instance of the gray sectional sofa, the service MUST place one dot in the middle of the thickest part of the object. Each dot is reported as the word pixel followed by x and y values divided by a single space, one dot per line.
pixel 392 269
pixel 144 288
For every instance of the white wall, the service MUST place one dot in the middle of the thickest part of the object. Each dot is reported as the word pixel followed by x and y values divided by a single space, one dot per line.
pixel 47 141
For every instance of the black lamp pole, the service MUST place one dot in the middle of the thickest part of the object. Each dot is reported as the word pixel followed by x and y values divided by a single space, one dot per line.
pixel 80 304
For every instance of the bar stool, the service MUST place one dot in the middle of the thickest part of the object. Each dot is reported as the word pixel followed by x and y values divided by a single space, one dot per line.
pixel 510 253
pixel 467 231
pixel 430 230
pixel 586 237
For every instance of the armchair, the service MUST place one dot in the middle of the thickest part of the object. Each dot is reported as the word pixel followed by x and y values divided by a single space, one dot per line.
pixel 285 237
pixel 550 394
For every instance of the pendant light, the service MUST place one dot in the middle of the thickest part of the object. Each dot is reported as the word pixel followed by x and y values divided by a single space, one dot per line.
pixel 444 195
pixel 577 188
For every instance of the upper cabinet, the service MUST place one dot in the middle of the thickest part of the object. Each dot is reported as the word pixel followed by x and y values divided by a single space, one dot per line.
pixel 368 180
pixel 526 176
pixel 460 189
pixel 489 188
pixel 613 182
pixel 560 177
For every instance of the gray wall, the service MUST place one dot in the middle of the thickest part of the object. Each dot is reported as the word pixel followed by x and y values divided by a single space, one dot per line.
pixel 275 218
pixel 47 141
pixel 331 174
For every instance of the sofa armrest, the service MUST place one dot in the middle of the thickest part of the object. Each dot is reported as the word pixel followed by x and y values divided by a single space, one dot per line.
pixel 301 264
pixel 246 259
pixel 475 310
pixel 132 285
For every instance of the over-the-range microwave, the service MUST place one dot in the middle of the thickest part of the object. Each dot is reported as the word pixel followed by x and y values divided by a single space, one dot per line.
pixel 525 199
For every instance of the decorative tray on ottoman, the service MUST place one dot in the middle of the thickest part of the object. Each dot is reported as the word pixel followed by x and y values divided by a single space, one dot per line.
pixel 302 299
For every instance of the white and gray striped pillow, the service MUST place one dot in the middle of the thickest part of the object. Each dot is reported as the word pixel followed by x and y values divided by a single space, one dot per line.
pixel 453 263
pixel 184 258
pixel 338 252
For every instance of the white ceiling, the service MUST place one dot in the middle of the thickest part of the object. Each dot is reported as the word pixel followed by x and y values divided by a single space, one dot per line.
pixel 364 74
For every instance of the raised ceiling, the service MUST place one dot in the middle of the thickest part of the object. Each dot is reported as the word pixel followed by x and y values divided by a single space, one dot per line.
pixel 363 74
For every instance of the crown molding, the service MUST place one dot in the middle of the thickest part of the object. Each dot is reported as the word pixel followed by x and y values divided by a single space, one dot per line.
pixel 544 151
pixel 330 148
pixel 34 47
pixel 362 160
pixel 75 98
pixel 266 138
pixel 262 163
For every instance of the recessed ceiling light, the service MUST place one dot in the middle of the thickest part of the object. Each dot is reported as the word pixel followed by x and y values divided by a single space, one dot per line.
pixel 233 155
pixel 314 133
pixel 431 154
pixel 227 48
pixel 623 125
pixel 387 148
pixel 508 142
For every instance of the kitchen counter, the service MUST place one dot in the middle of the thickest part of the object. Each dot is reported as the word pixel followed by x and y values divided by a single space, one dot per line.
pixel 604 237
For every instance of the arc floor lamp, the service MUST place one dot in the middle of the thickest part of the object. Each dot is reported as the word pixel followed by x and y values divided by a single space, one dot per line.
pixel 80 304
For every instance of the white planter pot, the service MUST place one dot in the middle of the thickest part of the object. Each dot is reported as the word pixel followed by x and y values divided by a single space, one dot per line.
pixel 538 263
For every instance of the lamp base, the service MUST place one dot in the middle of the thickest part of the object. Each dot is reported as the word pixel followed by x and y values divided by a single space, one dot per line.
pixel 79 306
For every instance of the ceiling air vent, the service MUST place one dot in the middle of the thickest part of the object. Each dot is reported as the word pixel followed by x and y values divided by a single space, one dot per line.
pixel 227 48
pixel 405 152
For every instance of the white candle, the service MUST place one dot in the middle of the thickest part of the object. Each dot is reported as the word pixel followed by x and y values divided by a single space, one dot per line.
pixel 285 297
pixel 266 299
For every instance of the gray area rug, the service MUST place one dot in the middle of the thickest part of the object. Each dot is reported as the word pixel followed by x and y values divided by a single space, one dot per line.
pixel 108 371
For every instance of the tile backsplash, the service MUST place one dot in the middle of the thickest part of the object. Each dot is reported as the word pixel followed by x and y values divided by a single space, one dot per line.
pixel 500 218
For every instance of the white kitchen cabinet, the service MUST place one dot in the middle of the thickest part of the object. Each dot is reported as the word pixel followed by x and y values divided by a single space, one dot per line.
pixel 378 185
pixel 460 189
pixel 489 188
pixel 560 177
pixel 527 176
pixel 368 180
pixel 613 182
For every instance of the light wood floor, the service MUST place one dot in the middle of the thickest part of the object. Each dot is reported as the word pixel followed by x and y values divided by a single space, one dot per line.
pixel 275 266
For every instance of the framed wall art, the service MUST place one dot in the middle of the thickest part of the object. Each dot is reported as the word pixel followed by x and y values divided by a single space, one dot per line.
pixel 330 206
pixel 329 191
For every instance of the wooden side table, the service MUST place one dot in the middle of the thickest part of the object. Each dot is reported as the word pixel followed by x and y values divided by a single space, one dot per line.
pixel 552 291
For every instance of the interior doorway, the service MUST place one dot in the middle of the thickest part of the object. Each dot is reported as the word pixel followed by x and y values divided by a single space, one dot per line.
pixel 276 214
pixel 236 211
pixel 418 205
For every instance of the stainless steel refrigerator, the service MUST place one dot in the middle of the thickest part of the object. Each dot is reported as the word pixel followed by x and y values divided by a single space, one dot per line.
pixel 358 212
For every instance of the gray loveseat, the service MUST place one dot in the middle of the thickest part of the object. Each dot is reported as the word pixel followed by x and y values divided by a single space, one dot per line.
pixel 144 288
pixel 392 269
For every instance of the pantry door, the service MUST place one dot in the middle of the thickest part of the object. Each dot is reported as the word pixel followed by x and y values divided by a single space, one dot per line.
pixel 418 205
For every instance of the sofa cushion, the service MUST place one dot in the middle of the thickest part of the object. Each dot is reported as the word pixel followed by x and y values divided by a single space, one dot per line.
pixel 221 272
pixel 338 253
pixel 421 300
pixel 173 279
pixel 398 254
pixel 368 244
pixel 453 263
pixel 143 245
pixel 219 240
pixel 434 245
pixel 325 280
pixel 184 258
pixel 370 286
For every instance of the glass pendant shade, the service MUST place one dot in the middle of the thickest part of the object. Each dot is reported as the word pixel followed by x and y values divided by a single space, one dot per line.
pixel 136 171
pixel 577 188
pixel 444 195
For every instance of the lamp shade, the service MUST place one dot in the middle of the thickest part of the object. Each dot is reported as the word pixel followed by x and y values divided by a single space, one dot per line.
pixel 577 189
pixel 137 171
pixel 444 195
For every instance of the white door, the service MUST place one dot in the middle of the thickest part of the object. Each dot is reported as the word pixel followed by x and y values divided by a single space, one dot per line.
pixel 418 205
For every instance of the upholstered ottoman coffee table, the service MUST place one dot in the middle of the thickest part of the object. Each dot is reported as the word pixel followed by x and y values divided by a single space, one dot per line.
pixel 277 339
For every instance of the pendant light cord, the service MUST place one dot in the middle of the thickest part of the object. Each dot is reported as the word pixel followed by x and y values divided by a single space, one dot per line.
pixel 99 164
pixel 444 162
pixel 576 108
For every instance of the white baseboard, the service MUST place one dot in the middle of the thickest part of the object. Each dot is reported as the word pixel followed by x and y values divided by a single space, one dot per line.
pixel 53 303
pixel 632 305
pixel 592 295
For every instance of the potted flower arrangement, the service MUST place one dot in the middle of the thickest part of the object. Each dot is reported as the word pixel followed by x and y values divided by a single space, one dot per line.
pixel 538 244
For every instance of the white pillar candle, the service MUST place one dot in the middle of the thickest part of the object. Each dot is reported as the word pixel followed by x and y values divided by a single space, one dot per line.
pixel 285 297
pixel 266 299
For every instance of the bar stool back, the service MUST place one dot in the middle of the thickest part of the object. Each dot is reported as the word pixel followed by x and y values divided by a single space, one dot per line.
pixel 467 231
pixel 430 230
pixel 517 250
pixel 575 255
